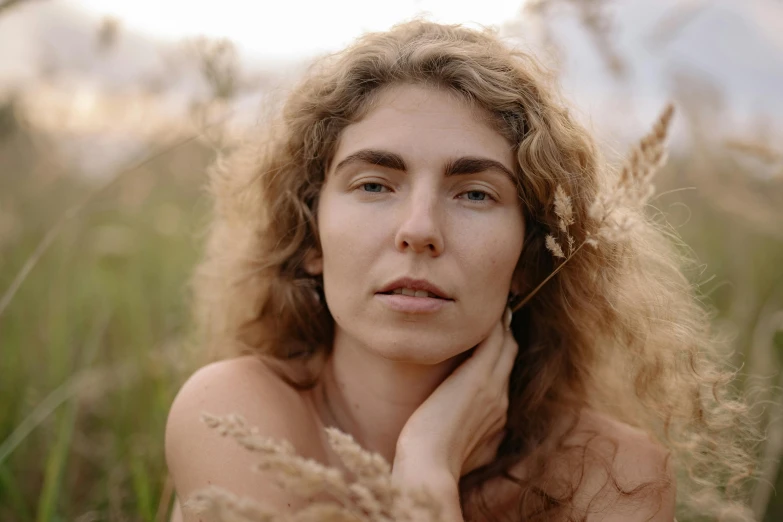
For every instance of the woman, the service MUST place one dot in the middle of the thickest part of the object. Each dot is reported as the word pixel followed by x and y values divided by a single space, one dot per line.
pixel 363 258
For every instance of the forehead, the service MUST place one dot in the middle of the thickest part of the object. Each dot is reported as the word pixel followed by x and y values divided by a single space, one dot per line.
pixel 422 121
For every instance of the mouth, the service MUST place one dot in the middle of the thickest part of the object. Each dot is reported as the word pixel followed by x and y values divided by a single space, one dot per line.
pixel 414 293
pixel 417 288
pixel 414 296
pixel 408 301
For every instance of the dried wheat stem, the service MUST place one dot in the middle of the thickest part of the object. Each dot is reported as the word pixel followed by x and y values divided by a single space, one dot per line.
pixel 218 504
pixel 758 150
pixel 554 272
pixel 234 426
pixel 614 212
pixel 371 498
pixel 359 461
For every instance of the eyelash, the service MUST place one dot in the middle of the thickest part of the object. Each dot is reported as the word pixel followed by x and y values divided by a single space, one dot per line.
pixel 487 194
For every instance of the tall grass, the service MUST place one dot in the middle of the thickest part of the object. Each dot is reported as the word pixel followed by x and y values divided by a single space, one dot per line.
pixel 95 341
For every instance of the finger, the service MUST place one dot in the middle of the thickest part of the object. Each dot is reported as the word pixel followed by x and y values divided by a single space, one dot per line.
pixel 490 349
pixel 501 374
pixel 502 371
pixel 484 358
pixel 509 342
pixel 508 356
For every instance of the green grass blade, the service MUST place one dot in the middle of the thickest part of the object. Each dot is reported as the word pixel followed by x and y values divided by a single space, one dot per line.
pixel 12 496
pixel 38 415
pixel 142 490
pixel 56 461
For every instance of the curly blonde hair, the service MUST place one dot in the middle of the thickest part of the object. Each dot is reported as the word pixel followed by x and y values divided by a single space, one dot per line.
pixel 619 330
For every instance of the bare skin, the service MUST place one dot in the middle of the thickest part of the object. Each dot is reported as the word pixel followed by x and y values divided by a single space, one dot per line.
pixel 417 188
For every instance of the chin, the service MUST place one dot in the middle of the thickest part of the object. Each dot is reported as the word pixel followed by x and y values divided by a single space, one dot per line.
pixel 413 348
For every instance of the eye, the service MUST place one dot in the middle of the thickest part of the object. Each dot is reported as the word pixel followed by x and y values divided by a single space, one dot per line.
pixel 477 195
pixel 372 187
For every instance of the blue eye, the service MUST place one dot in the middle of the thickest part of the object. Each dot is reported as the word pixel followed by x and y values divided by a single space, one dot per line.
pixel 481 196
pixel 372 187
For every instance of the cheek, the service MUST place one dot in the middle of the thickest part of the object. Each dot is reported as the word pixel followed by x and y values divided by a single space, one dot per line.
pixel 345 239
pixel 349 244
pixel 493 252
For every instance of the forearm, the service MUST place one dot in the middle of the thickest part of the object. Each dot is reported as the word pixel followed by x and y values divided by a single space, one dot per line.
pixel 442 486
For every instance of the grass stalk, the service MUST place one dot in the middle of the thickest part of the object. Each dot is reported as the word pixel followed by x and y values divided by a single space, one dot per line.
pixel 56 461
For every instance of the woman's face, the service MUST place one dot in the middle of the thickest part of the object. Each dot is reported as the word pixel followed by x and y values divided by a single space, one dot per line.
pixel 421 187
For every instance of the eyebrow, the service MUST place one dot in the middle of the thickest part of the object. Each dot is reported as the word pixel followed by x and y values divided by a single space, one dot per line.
pixel 459 166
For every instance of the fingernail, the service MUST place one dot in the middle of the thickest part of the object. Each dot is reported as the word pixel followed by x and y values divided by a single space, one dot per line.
pixel 507 318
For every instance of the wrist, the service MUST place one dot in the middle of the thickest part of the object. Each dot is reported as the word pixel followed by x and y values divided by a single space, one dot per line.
pixel 439 481
pixel 438 485
pixel 413 462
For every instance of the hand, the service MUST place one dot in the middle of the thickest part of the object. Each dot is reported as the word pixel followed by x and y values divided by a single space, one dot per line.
pixel 460 425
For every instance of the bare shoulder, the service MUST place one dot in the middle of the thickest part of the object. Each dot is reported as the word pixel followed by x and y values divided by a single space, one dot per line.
pixel 634 452
pixel 243 382
pixel 198 456
pixel 624 471
pixel 613 472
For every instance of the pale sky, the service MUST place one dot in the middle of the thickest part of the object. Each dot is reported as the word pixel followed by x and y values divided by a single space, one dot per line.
pixel 291 28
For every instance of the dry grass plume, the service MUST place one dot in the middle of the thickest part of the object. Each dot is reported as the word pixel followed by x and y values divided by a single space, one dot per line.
pixel 366 496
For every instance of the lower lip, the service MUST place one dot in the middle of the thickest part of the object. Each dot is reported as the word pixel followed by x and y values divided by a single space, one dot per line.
pixel 412 305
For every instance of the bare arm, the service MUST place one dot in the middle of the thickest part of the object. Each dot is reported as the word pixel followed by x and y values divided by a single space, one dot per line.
pixel 441 485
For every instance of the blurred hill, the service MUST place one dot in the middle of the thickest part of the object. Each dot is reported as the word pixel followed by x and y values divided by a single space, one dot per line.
pixel 80 75
pixel 53 39
pixel 734 49
pixel 105 93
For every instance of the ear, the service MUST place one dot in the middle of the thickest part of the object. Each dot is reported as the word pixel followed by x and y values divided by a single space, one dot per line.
pixel 515 293
pixel 516 285
pixel 313 262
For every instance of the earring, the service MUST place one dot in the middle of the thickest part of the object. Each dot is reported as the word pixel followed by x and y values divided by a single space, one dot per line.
pixel 319 290
pixel 314 286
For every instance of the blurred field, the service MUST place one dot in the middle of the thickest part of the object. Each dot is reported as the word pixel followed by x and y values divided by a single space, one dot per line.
pixel 97 339
pixel 94 344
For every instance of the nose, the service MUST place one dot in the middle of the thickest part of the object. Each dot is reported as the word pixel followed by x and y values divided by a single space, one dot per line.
pixel 420 229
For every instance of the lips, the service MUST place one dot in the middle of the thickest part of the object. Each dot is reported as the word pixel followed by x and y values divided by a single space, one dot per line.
pixel 407 304
pixel 415 284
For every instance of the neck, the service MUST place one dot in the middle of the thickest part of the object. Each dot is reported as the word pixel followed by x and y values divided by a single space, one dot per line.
pixel 370 397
